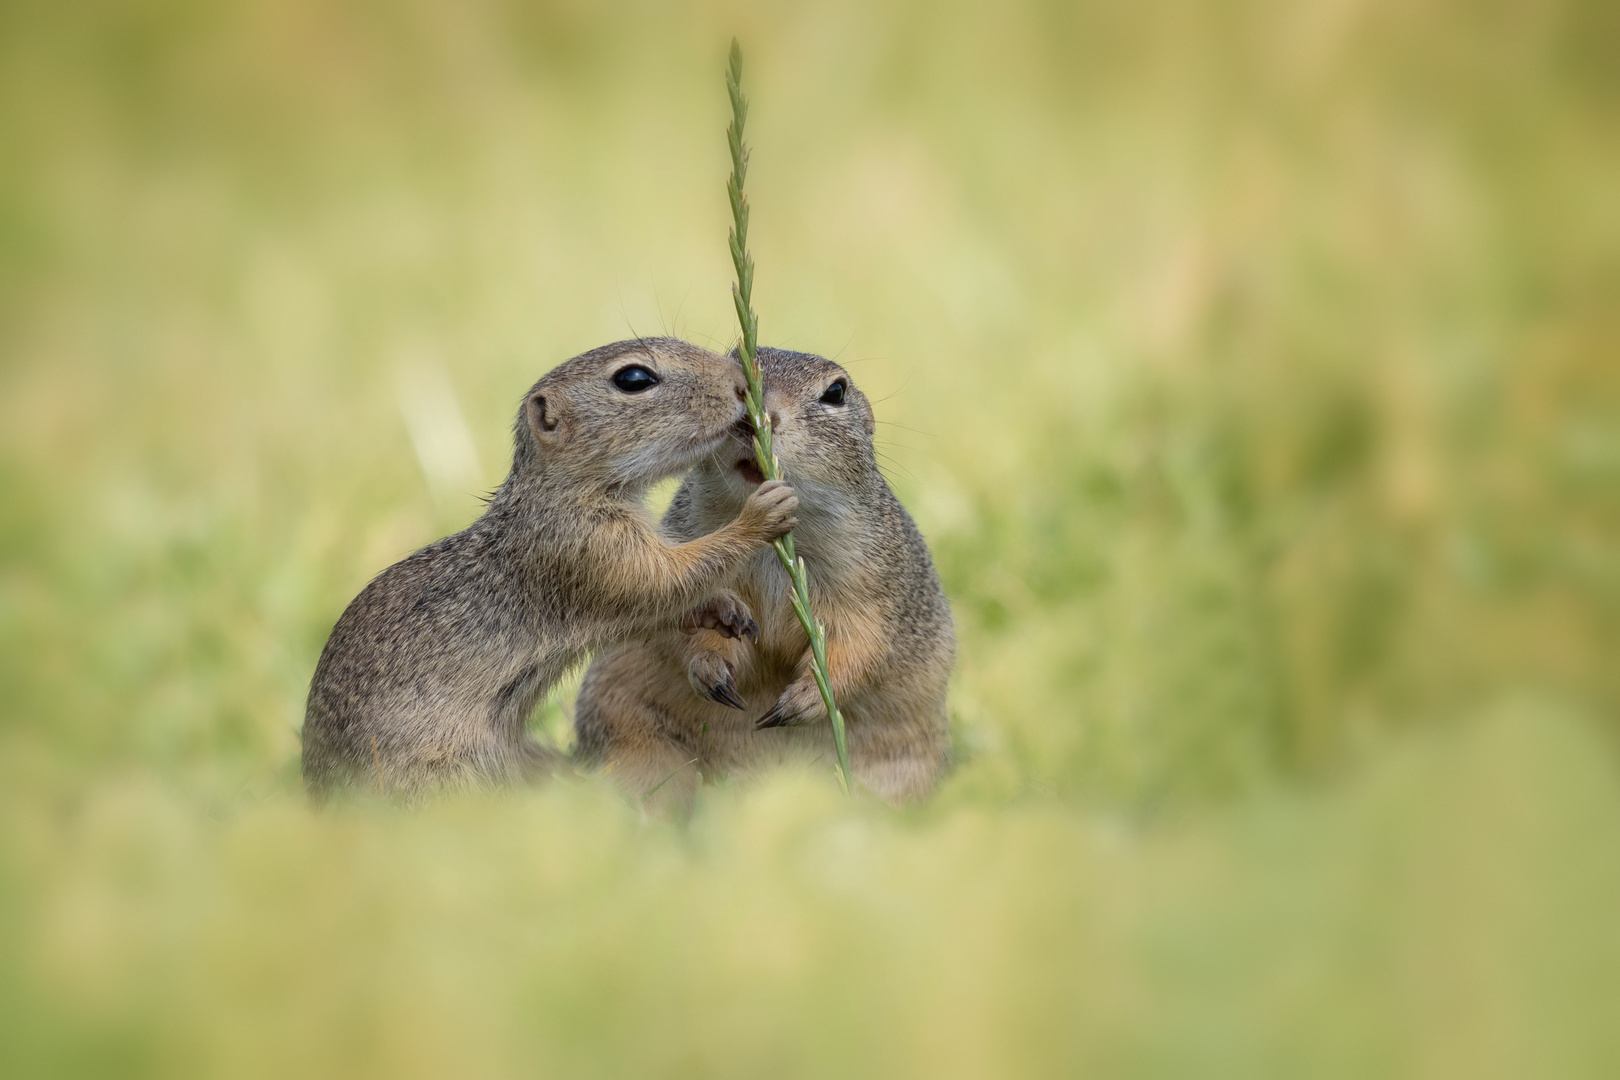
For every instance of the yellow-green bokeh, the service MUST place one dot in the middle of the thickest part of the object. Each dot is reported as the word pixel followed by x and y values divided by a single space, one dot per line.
pixel 1251 368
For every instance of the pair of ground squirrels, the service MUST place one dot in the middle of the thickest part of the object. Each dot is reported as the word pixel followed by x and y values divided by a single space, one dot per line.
pixel 430 675
pixel 731 692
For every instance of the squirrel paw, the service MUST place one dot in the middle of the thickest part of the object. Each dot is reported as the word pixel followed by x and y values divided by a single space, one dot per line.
pixel 800 703
pixel 725 614
pixel 713 677
pixel 769 511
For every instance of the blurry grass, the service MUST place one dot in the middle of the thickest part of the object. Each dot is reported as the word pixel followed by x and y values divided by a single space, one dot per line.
pixel 1249 366
pixel 1433 918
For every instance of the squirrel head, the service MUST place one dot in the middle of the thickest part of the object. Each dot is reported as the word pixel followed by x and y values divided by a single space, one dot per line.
pixel 626 415
pixel 821 427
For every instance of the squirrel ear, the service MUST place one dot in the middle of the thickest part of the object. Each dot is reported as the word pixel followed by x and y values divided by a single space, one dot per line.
pixel 545 418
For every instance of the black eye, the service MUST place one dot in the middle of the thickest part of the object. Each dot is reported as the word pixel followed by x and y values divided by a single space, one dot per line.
pixel 635 379
pixel 834 394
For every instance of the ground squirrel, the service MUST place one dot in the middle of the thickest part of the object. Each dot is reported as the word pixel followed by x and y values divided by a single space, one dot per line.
pixel 430 675
pixel 727 695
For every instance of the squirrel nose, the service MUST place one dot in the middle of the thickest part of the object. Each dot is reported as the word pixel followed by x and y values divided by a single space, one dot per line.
pixel 776 420
pixel 742 392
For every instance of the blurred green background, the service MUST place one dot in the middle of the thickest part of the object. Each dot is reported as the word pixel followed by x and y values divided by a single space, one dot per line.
pixel 1251 367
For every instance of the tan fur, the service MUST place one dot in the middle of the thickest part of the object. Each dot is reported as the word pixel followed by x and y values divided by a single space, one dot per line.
pixel 650 712
pixel 429 676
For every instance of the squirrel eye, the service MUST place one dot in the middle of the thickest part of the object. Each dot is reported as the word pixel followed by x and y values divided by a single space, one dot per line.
pixel 834 394
pixel 634 379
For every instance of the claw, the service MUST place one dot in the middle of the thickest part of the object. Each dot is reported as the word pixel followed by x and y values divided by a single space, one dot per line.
pixel 726 694
pixel 741 628
pixel 707 619
pixel 777 717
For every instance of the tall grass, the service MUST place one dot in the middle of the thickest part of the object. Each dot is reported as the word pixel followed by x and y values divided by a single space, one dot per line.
pixel 1247 366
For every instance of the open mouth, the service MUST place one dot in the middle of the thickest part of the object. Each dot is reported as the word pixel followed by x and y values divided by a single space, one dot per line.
pixel 747 468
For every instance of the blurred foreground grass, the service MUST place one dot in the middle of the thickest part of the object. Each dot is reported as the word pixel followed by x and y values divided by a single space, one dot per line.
pixel 1250 367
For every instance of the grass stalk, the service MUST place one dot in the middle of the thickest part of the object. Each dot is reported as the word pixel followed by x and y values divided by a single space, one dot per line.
pixel 742 295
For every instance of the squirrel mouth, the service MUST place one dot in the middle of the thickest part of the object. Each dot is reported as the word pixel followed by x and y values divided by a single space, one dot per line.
pixel 747 467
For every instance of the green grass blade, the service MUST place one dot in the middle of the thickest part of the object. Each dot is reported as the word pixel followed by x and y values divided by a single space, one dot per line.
pixel 742 295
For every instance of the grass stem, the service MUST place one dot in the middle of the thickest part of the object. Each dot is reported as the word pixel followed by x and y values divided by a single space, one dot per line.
pixel 742 297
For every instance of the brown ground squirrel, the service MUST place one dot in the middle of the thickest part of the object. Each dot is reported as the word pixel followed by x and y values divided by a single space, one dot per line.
pixel 727 696
pixel 430 675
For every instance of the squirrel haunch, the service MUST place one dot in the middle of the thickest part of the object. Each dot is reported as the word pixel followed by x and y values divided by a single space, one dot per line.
pixel 429 676
pixel 732 692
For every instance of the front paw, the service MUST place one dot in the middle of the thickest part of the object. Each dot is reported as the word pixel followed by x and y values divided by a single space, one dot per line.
pixel 768 513
pixel 725 614
pixel 800 703
pixel 713 677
